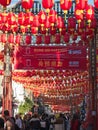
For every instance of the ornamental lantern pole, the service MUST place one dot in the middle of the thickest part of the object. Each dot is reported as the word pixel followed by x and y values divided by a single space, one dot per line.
pixel 7 79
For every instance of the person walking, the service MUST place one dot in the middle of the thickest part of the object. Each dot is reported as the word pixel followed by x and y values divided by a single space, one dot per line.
pixel 1 123
pixel 35 122
pixel 18 121
pixel 9 123
pixel 75 122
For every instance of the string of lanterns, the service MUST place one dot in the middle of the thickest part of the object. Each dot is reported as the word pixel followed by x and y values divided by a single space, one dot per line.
pixel 47 23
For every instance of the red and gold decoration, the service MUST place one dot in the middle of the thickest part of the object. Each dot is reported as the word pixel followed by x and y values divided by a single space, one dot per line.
pixel 50 56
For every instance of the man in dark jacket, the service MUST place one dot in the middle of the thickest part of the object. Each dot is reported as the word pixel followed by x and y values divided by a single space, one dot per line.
pixel 35 122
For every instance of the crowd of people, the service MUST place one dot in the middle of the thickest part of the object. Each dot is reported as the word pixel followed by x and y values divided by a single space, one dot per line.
pixel 41 122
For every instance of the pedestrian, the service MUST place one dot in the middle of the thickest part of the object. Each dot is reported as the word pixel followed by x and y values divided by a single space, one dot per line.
pixel 18 121
pixel 26 121
pixel 1 123
pixel 75 122
pixel 16 126
pixel 35 122
pixel 9 123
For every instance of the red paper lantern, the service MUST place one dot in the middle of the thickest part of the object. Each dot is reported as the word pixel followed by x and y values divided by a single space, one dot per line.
pixel 4 17
pixel 1 18
pixel 3 38
pixel 93 23
pixel 18 39
pixel 27 4
pixel 60 23
pixel 82 24
pixel 52 30
pixel 21 18
pixel 42 17
pixel 34 30
pixel 81 4
pixel 28 39
pixel 71 23
pixel 96 3
pixel 78 15
pixel 47 4
pixel 35 22
pixel 11 38
pixel 75 36
pixel 29 18
pixel 11 18
pixel 79 31
pixel 38 39
pixel 14 28
pixel 52 17
pixel 66 37
pixel 23 29
pixel 47 39
pixel 57 38
pixel 89 13
pixel 63 31
pixel 42 30
pixel 5 2
pixel 65 5
pixel 47 23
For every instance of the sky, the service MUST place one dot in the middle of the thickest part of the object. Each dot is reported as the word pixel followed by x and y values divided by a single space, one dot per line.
pixel 89 1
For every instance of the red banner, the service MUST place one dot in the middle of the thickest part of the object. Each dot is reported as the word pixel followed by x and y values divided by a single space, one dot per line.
pixel 49 57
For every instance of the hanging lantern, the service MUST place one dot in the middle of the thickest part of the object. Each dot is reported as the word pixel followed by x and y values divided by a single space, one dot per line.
pixel 5 2
pixel 29 18
pixel 63 31
pixel 34 30
pixel 89 13
pixel 11 18
pixel 65 5
pixel 57 38
pixel 1 18
pixel 81 4
pixel 78 15
pixel 42 30
pixel 3 38
pixel 27 4
pixel 96 3
pixel 93 23
pixel 11 39
pixel 23 29
pixel 66 37
pixel 21 18
pixel 14 28
pixel 28 39
pixel 52 17
pixel 47 4
pixel 4 17
pixel 38 39
pixel 47 24
pixel 52 30
pixel 42 18
pixel 18 39
pixel 82 24
pixel 35 22
pixel 71 24
pixel 60 23
pixel 47 39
